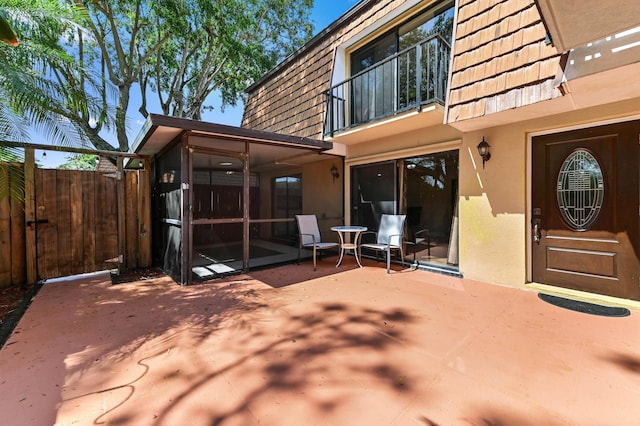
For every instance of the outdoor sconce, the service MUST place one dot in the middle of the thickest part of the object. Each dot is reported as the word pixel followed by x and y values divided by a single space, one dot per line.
pixel 483 150
pixel 334 172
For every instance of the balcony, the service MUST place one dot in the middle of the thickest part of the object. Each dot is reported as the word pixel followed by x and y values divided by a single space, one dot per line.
pixel 408 80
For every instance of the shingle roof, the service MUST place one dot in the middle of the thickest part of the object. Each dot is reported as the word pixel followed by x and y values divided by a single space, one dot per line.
pixel 501 59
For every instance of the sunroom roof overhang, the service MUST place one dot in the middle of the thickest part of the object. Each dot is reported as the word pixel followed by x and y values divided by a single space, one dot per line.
pixel 159 131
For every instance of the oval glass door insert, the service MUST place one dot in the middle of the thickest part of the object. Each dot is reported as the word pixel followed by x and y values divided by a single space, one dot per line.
pixel 580 190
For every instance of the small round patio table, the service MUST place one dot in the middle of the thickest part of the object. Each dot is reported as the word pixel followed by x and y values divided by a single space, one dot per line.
pixel 349 244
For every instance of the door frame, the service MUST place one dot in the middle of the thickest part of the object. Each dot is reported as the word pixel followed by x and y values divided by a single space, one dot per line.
pixel 529 183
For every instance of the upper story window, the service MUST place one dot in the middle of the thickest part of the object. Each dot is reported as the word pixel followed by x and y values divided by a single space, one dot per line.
pixel 411 32
pixel 402 69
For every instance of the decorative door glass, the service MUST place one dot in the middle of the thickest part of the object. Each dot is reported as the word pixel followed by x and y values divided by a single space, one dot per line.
pixel 580 190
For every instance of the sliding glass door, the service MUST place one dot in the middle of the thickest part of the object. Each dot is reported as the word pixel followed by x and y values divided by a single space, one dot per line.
pixel 373 193
pixel 425 188
pixel 430 196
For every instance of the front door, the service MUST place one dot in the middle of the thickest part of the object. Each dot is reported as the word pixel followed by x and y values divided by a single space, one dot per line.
pixel 585 208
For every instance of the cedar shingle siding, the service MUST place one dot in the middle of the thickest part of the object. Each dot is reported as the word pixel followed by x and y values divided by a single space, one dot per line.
pixel 501 59
pixel 291 100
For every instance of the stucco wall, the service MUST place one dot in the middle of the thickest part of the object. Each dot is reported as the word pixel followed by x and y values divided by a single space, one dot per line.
pixel 492 207
pixel 494 202
pixel 327 202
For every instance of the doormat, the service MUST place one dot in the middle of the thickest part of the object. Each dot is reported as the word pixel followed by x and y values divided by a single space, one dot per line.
pixel 585 307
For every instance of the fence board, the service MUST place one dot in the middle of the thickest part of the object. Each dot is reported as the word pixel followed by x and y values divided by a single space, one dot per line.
pixel 18 243
pixel 144 218
pixel 111 218
pixel 39 214
pixel 82 229
pixel 5 242
pixel 131 217
pixel 77 224
pixel 30 215
pixel 121 221
pixel 101 250
pixel 46 233
pixel 64 224
pixel 106 221
pixel 89 222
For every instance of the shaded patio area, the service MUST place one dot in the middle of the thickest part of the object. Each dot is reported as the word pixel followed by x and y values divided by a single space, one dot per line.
pixel 290 346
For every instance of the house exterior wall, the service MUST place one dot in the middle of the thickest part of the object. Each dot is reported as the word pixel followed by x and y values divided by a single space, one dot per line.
pixel 492 208
pixel 495 229
pixel 504 86
pixel 292 99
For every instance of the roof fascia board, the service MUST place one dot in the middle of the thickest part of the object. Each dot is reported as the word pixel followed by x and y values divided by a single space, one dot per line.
pixel 201 128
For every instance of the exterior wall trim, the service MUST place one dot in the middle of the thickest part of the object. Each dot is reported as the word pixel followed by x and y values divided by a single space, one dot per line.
pixel 407 152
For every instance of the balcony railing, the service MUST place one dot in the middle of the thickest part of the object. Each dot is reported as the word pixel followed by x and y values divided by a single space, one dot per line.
pixel 409 79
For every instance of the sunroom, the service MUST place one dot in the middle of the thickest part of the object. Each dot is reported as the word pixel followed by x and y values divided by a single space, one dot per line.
pixel 225 198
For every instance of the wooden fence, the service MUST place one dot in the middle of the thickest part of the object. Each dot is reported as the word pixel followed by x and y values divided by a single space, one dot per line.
pixel 75 222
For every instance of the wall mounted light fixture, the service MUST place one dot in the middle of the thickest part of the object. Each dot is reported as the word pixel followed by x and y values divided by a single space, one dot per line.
pixel 483 150
pixel 334 172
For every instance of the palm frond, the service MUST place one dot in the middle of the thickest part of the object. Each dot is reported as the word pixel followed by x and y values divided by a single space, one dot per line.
pixel 12 181
pixel 6 33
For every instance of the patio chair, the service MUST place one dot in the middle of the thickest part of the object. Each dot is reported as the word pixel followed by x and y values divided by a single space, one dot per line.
pixel 388 237
pixel 310 237
pixel 422 238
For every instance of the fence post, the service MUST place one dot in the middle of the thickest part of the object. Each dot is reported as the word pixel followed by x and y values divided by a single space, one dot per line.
pixel 30 215
pixel 122 229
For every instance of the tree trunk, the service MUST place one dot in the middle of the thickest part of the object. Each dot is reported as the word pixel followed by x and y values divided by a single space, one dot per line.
pixel 121 118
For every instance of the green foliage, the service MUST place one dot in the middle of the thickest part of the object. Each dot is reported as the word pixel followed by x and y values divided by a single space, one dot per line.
pixel 32 99
pixel 10 155
pixel 72 75
pixel 11 174
pixel 6 32
pixel 80 162
pixel 225 47
pixel 35 76
pixel 186 50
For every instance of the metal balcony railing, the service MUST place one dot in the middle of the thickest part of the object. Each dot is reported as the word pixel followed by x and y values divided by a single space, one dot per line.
pixel 409 79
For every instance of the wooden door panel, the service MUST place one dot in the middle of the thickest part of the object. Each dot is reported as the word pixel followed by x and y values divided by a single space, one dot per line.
pixel 594 263
pixel 601 257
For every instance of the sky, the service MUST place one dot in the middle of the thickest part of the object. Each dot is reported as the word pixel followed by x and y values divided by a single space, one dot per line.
pixel 324 12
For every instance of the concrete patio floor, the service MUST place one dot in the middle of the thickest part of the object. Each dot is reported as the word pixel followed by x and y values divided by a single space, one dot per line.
pixel 290 346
